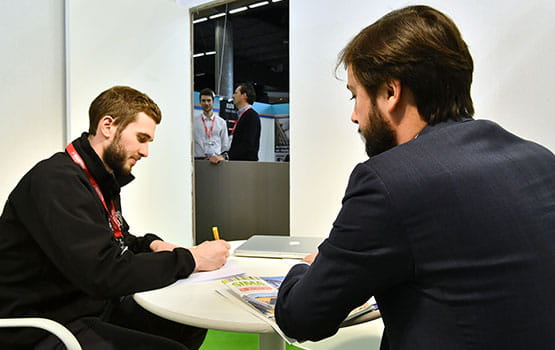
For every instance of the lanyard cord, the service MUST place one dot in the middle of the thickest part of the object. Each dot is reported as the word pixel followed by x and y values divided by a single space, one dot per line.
pixel 237 122
pixel 112 215
pixel 209 134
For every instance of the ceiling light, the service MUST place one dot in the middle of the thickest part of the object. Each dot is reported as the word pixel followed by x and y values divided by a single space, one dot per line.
pixel 198 55
pixel 258 4
pixel 221 14
pixel 208 53
pixel 200 20
pixel 239 9
pixel 276 0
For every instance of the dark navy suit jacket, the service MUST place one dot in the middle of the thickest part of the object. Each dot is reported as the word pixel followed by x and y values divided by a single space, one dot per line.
pixel 246 138
pixel 454 235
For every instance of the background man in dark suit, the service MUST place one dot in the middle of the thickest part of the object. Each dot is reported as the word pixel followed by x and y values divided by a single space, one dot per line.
pixel 451 222
pixel 245 135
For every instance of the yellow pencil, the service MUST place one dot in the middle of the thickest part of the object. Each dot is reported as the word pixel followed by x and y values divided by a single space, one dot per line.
pixel 215 232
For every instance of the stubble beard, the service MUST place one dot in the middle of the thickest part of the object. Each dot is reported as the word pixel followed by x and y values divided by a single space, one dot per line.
pixel 207 110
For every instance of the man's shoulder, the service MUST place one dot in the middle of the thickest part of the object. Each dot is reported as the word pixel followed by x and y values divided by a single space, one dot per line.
pixel 252 116
pixel 251 112
pixel 476 133
pixel 433 143
pixel 55 168
pixel 445 147
pixel 58 164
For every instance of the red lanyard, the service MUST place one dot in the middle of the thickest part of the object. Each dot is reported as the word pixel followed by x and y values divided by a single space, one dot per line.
pixel 112 215
pixel 209 134
pixel 237 122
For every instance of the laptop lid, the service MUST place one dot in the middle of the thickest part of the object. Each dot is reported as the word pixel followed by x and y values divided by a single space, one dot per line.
pixel 278 246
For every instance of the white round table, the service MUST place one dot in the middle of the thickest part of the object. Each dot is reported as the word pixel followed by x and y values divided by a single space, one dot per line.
pixel 198 304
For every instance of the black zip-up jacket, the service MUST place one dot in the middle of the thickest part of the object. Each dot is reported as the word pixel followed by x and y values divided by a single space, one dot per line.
pixel 58 255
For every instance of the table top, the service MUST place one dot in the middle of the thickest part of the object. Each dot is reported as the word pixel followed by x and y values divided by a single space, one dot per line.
pixel 198 304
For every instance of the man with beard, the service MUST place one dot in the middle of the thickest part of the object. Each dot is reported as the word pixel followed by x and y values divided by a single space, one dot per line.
pixel 449 224
pixel 65 250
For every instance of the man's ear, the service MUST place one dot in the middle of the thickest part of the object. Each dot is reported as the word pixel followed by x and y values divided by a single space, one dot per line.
pixel 106 126
pixel 393 89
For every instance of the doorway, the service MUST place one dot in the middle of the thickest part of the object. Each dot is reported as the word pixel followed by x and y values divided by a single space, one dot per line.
pixel 244 198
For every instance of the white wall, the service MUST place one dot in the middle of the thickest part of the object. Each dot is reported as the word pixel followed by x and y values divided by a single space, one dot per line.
pixel 513 49
pixel 146 43
pixel 31 86
pixel 143 44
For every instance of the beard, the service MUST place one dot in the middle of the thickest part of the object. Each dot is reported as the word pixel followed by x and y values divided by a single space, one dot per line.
pixel 379 136
pixel 115 157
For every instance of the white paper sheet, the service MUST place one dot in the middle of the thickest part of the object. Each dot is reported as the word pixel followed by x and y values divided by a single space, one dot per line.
pixel 228 270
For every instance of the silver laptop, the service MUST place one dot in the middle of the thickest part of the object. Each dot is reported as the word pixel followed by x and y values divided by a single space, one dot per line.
pixel 278 246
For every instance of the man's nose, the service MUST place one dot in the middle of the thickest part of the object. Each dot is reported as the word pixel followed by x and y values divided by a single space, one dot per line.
pixel 143 151
pixel 354 118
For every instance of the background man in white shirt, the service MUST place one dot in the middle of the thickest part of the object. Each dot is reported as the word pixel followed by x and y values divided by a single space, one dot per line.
pixel 210 131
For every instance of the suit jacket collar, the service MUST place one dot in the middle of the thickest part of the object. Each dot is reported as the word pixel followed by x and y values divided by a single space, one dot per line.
pixel 438 126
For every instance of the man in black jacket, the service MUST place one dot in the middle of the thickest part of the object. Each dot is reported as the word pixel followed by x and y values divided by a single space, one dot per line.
pixel 450 223
pixel 245 135
pixel 65 249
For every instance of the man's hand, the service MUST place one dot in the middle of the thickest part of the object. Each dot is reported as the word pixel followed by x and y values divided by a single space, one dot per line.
pixel 210 255
pixel 216 159
pixel 160 246
pixel 310 257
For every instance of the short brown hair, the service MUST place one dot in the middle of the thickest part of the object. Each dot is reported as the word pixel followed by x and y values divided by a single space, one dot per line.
pixel 207 92
pixel 123 104
pixel 423 49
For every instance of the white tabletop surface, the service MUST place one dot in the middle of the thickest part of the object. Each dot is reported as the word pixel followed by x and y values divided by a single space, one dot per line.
pixel 198 304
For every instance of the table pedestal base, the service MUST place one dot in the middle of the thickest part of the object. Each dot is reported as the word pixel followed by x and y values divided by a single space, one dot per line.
pixel 270 341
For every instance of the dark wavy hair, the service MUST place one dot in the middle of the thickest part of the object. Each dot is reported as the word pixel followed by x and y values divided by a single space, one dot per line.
pixel 423 49
pixel 247 88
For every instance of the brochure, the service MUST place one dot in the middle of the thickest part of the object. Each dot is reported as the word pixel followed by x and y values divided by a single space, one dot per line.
pixel 260 294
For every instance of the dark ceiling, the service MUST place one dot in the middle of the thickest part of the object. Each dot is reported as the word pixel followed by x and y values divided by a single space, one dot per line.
pixel 260 45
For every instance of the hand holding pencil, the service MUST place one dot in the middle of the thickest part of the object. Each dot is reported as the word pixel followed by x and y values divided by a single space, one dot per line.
pixel 211 255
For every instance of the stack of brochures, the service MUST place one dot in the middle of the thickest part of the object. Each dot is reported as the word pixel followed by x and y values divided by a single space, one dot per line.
pixel 260 294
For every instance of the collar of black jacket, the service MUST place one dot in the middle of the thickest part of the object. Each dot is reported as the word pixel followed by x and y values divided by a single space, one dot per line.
pixel 110 183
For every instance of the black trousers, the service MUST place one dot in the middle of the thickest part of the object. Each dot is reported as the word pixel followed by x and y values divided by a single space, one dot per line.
pixel 126 325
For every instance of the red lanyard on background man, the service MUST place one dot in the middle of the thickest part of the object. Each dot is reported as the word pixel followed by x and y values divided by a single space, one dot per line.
pixel 112 214
pixel 209 134
pixel 237 122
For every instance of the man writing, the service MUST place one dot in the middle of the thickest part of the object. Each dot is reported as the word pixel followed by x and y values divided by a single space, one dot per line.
pixel 245 135
pixel 449 224
pixel 210 131
pixel 65 249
